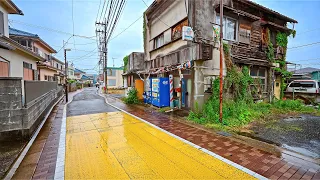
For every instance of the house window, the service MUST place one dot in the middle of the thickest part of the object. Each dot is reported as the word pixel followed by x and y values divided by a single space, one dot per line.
pixel 111 72
pixel 27 65
pixel 177 30
pixel 111 82
pixel 229 28
pixel 46 56
pixel 1 23
pixel 259 73
pixel 46 78
pixel 158 41
pixel 36 50
pixel 57 65
pixel 4 68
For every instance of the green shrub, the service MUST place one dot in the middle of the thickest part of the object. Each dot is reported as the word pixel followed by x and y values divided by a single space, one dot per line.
pixel 132 97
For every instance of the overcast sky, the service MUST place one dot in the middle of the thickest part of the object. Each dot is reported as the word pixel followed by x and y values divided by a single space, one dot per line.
pixel 57 15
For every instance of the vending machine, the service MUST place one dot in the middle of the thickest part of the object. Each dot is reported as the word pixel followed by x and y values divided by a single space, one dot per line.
pixel 160 89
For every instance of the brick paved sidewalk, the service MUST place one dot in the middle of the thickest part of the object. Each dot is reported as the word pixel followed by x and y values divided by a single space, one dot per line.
pixel 259 161
pixel 40 161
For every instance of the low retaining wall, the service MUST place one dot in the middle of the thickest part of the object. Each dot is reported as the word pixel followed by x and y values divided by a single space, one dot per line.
pixel 17 122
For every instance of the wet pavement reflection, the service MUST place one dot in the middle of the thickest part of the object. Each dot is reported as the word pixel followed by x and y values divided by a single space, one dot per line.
pixel 116 145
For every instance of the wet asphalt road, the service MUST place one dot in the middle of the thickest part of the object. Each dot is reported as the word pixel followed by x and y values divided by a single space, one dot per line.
pixel 300 134
pixel 88 102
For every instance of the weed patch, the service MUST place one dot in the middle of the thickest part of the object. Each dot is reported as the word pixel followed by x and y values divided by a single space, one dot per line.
pixel 132 97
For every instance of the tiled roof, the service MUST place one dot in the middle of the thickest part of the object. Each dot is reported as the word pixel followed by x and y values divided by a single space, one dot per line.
pixel 78 71
pixel 17 32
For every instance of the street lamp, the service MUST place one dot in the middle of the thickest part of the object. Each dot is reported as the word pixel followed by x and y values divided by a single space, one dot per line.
pixel 66 73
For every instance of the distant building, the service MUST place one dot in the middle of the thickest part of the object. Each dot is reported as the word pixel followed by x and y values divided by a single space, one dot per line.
pixel 302 73
pixel 135 64
pixel 71 71
pixel 114 77
pixel 316 75
pixel 49 70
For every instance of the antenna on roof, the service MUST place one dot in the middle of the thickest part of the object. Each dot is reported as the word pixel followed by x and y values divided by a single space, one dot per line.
pixel 113 60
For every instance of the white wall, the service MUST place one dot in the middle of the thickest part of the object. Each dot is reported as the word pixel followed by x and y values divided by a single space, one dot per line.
pixel 5 19
pixel 167 49
pixel 172 15
pixel 16 59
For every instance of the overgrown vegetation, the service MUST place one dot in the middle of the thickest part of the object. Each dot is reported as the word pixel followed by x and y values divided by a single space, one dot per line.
pixel 237 113
pixel 239 108
pixel 132 97
pixel 282 42
pixel 125 63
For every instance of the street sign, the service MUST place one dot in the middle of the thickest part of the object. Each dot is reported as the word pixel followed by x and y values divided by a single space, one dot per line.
pixel 187 33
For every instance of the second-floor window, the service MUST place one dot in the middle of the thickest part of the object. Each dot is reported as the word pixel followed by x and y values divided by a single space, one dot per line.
pixel 111 72
pixel 1 23
pixel 229 28
pixel 158 41
pixel 36 50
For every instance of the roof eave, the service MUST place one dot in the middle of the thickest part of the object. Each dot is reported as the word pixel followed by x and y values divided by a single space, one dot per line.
pixel 13 7
pixel 22 48
pixel 288 19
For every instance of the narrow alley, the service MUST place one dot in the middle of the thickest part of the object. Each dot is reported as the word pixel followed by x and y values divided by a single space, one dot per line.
pixel 102 142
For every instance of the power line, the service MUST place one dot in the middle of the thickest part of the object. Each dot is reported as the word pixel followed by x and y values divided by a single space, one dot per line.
pixel 304 45
pixel 63 45
pixel 157 17
pixel 307 31
pixel 98 10
pixel 305 60
pixel 104 3
pixel 50 29
pixel 74 42
pixel 126 28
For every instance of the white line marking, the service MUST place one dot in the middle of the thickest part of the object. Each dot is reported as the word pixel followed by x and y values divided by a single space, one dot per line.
pixel 60 162
pixel 244 169
pixel 26 149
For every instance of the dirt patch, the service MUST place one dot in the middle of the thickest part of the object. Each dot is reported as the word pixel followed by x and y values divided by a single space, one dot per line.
pixel 9 151
pixel 298 133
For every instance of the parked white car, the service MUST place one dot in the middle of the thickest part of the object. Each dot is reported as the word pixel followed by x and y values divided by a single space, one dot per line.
pixel 304 86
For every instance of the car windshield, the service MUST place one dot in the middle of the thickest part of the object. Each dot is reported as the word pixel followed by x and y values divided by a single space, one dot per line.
pixel 303 84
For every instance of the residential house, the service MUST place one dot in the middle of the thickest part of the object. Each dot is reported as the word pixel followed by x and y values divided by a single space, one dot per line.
pixel 71 70
pixel 24 100
pixel 78 73
pixel 302 73
pixel 16 60
pixel 316 75
pixel 195 62
pixel 135 64
pixel 51 68
pixel 114 77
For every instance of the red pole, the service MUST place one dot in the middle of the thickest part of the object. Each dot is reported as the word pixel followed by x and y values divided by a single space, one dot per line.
pixel 221 59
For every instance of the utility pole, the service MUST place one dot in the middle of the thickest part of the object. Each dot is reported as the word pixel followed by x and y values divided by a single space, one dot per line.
pixel 105 55
pixel 66 72
pixel 104 49
pixel 221 60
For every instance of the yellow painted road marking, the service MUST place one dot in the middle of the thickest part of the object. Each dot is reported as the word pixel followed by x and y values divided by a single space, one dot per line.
pixel 115 145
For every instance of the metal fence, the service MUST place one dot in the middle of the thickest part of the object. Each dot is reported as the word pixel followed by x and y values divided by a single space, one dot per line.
pixel 35 89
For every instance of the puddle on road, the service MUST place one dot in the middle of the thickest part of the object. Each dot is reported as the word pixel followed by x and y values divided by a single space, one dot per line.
pixel 298 134
pixel 301 150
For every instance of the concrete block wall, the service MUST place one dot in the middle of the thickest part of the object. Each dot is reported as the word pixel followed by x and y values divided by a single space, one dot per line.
pixel 16 121
pixel 10 93
pixel 34 111
pixel 10 104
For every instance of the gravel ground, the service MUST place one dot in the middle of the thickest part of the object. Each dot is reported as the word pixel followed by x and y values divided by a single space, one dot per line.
pixel 9 151
pixel 300 134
